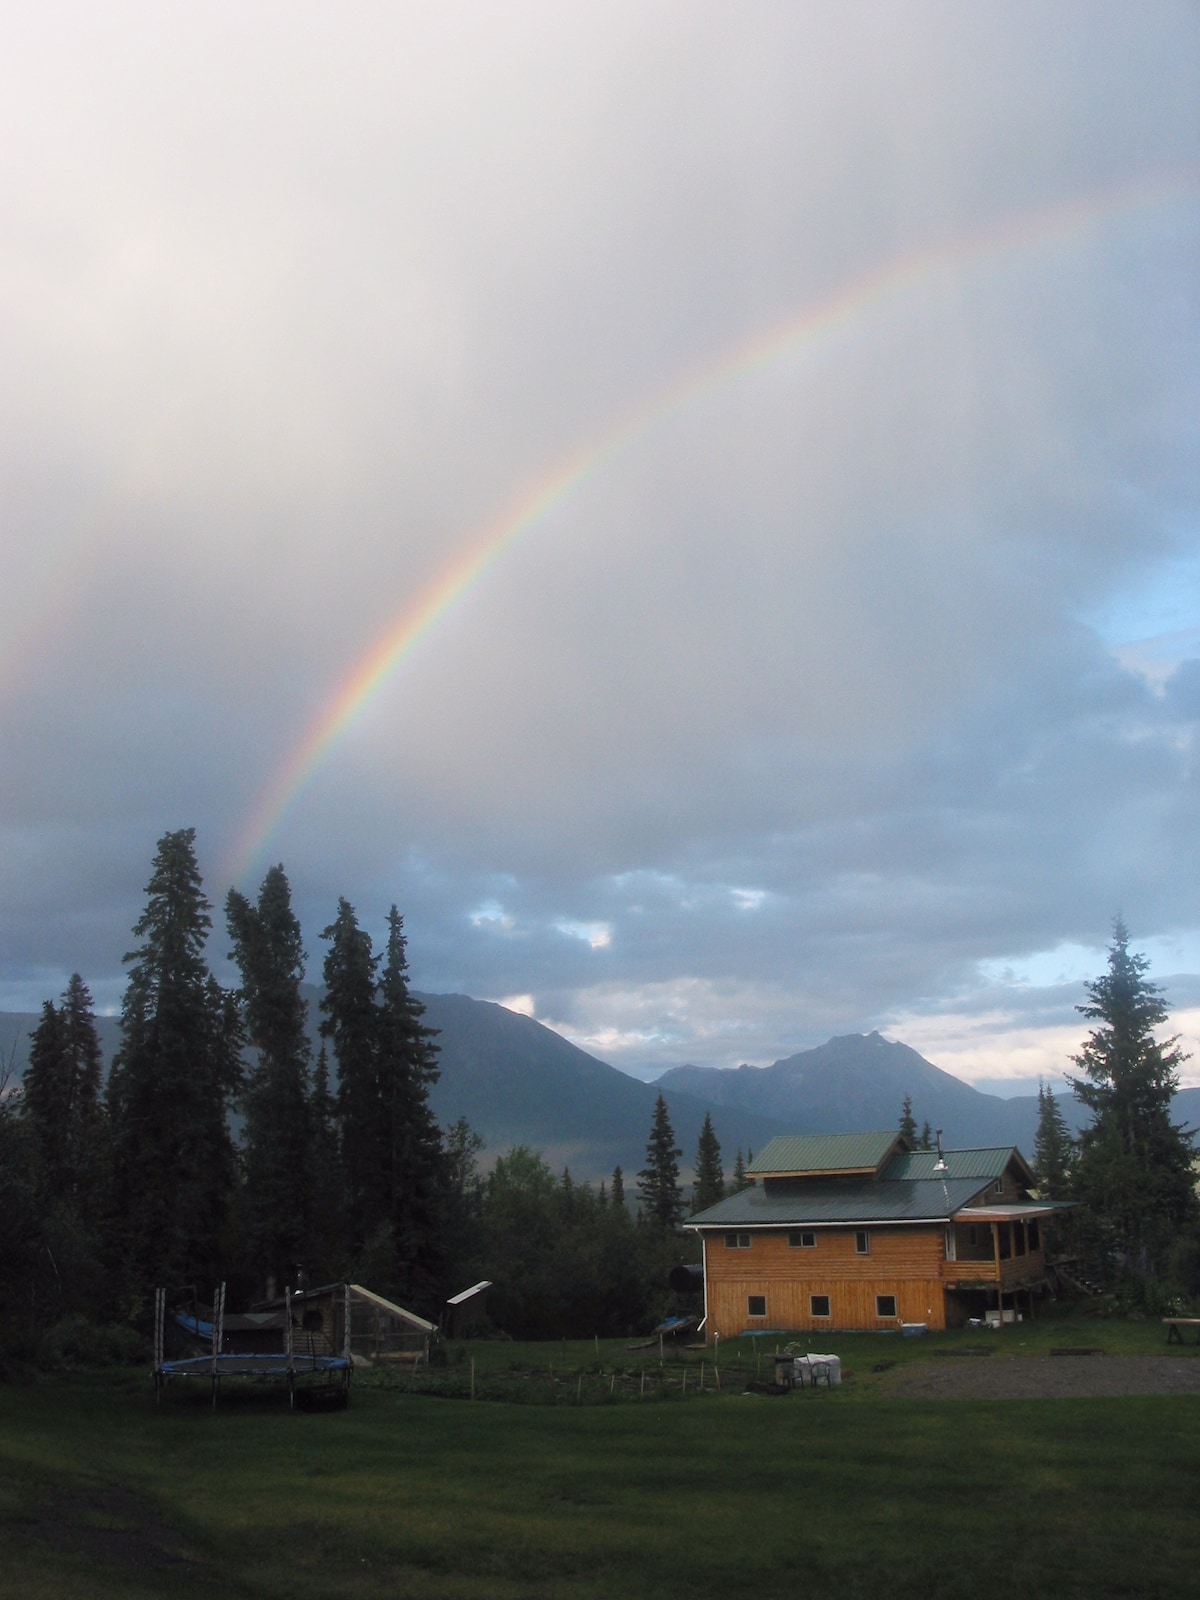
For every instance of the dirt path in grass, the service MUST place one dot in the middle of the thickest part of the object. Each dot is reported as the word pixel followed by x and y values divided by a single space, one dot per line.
pixel 1039 1377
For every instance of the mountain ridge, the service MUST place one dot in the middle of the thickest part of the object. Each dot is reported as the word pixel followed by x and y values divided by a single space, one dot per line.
pixel 518 1082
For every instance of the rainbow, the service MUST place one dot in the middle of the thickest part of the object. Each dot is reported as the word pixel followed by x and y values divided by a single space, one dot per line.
pixel 823 320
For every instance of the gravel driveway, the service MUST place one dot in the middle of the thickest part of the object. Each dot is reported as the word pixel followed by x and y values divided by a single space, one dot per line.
pixel 1039 1377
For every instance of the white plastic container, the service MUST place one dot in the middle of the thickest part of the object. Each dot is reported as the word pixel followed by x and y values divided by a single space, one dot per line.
pixel 803 1374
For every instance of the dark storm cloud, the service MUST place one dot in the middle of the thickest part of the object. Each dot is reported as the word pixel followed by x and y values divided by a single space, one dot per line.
pixel 793 716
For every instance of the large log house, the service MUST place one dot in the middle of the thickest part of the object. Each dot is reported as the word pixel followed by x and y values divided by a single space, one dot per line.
pixel 860 1231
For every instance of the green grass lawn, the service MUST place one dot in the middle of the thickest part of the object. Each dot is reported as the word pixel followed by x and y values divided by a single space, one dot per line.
pixel 832 1494
pixel 1070 1326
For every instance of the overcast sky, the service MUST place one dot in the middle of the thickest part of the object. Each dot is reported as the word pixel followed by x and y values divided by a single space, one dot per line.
pixel 854 679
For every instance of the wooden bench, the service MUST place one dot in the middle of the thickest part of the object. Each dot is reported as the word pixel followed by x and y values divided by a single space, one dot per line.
pixel 1174 1326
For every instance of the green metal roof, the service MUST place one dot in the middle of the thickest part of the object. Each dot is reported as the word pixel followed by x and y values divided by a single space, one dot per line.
pixel 986 1163
pixel 823 1152
pixel 819 1203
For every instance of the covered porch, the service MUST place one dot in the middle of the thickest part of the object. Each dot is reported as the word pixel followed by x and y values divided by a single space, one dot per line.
pixel 995 1262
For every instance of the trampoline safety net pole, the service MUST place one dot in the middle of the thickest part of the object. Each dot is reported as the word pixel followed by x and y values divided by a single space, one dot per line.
pixel 218 1333
pixel 346 1329
pixel 287 1345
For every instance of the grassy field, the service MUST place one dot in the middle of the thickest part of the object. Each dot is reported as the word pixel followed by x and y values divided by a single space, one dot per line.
pixel 407 1494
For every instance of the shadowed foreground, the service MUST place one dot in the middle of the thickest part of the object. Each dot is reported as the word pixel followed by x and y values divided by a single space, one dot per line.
pixel 738 1495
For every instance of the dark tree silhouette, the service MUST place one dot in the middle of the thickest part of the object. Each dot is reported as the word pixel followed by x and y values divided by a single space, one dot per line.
pixel 1134 1170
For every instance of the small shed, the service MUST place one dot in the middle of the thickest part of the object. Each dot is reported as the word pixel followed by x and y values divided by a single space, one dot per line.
pixel 380 1330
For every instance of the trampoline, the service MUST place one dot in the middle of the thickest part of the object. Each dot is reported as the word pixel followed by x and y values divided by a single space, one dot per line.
pixel 267 1347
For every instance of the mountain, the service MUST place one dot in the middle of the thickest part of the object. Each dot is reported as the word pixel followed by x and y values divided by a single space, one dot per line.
pixel 857 1083
pixel 518 1082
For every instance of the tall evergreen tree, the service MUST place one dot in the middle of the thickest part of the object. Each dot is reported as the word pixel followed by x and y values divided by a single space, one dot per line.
pixel 658 1181
pixel 1053 1148
pixel 740 1180
pixel 67 1145
pixel 618 1188
pixel 925 1142
pixel 413 1155
pixel 279 1156
pixel 46 1096
pixel 908 1123
pixel 1134 1169
pixel 168 1092
pixel 709 1186
pixel 62 1095
pixel 351 1024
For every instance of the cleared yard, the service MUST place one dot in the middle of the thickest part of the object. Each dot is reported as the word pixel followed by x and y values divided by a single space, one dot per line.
pixel 848 1493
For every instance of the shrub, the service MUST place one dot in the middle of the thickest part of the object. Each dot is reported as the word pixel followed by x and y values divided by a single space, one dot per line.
pixel 78 1342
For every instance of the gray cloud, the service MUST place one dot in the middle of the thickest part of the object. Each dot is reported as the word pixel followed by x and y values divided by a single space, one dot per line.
pixel 793 711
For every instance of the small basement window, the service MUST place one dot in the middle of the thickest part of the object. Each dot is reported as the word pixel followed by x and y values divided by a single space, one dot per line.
pixel 803 1241
pixel 885 1305
pixel 737 1241
pixel 818 1305
pixel 756 1305
pixel 862 1242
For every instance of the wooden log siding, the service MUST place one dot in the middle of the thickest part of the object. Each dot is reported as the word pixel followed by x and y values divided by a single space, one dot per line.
pixel 906 1262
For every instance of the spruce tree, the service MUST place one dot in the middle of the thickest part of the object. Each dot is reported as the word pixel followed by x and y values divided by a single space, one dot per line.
pixel 618 1188
pixel 709 1186
pixel 279 1156
pixel 61 1097
pixel 1134 1169
pixel 925 1142
pixel 1052 1148
pixel 177 1068
pixel 46 1097
pixel 740 1180
pixel 908 1123
pixel 658 1181
pixel 351 1025
pixel 413 1155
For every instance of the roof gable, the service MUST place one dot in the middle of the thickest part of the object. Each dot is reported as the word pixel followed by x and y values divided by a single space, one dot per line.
pixel 826 1155
pixel 987 1163
pixel 834 1203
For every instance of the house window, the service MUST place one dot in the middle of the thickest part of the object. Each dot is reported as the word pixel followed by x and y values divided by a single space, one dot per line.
pixel 737 1241
pixel 885 1305
pixel 802 1241
pixel 862 1242
pixel 756 1305
pixel 998 1186
pixel 818 1305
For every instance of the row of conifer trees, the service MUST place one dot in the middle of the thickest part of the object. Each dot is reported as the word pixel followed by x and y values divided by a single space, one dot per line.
pixel 338 1167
